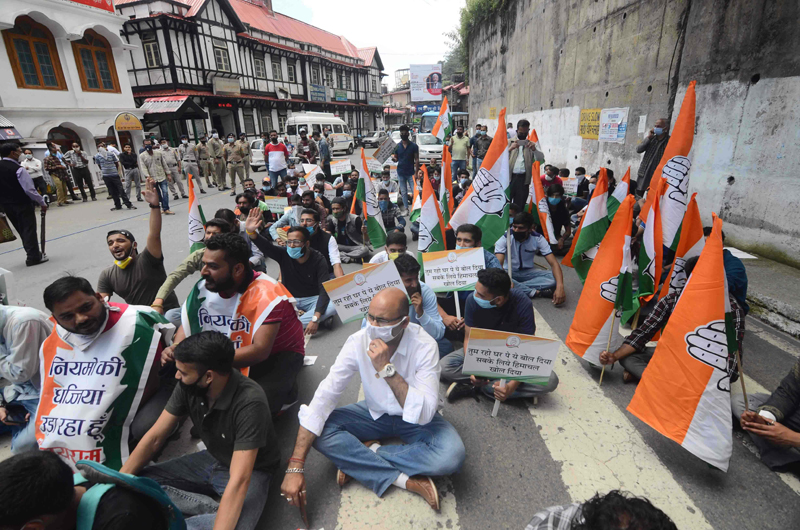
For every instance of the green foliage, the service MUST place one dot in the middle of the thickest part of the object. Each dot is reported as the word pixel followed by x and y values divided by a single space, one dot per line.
pixel 472 14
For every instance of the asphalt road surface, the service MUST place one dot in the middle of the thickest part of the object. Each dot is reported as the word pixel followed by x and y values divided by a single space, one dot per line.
pixel 573 443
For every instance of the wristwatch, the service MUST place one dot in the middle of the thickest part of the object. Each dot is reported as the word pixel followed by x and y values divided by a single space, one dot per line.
pixel 388 371
pixel 315 318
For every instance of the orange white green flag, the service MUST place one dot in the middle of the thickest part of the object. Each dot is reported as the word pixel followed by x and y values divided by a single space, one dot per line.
pixel 197 220
pixel 620 192
pixel 567 261
pixel 446 186
pixel 537 197
pixel 690 246
pixel 431 224
pixel 685 391
pixel 593 228
pixel 367 194
pixel 608 287
pixel 486 202
pixel 651 251
pixel 533 137
pixel 444 123
pixel 416 202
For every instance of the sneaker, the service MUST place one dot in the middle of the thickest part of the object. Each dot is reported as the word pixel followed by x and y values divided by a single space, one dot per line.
pixel 131 207
pixel 543 293
pixel 202 191
pixel 43 259
pixel 212 185
pixel 457 391
pixel 139 199
pixel 168 212
pixel 425 488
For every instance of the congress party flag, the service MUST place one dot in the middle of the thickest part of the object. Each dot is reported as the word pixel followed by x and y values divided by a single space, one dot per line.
pixel 367 194
pixel 416 201
pixel 620 192
pixel 446 186
pixel 685 391
pixel 690 246
pixel 443 125
pixel 486 202
pixel 651 251
pixel 567 261
pixel 431 224
pixel 608 288
pixel 197 220
pixel 594 226
pixel 533 137
pixel 537 197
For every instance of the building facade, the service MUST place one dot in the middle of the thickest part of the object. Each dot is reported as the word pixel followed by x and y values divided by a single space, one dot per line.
pixel 238 66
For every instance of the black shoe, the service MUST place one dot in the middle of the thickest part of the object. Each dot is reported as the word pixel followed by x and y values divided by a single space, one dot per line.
pixel 461 390
pixel 328 323
pixel 543 293
pixel 43 259
pixel 233 193
pixel 131 207
pixel 116 208
pixel 212 185
pixel 139 199
pixel 95 198
pixel 87 200
pixel 185 196
pixel 175 197
pixel 202 191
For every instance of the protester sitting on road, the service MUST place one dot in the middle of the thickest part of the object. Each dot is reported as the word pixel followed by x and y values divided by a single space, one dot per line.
pixel 613 511
pixel 289 219
pixel 493 305
pixel 322 242
pixel 634 354
pixel 267 334
pixel 387 183
pixel 308 200
pixel 231 413
pixel 735 273
pixel 525 245
pixel 349 231
pixel 319 194
pixel 397 362
pixel 551 177
pixel 137 276
pixel 559 213
pixel 392 219
pixel 22 332
pixel 348 193
pixel 396 245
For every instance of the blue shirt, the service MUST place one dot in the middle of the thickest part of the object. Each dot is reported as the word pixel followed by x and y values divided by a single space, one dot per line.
pixel 324 150
pixel 405 158
pixel 430 320
pixel 536 243
pixel 515 316
pixel 737 279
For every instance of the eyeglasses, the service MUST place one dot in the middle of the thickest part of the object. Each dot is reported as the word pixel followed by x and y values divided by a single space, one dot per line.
pixel 382 321
pixel 294 243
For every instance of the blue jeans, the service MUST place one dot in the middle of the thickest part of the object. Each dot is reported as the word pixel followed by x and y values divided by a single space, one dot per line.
pixel 406 187
pixel 445 347
pixel 531 280
pixel 478 162
pixel 162 188
pixel 273 176
pixel 308 304
pixel 433 449
pixel 457 165
pixel 23 437
pixel 474 166
pixel 452 364
pixel 191 480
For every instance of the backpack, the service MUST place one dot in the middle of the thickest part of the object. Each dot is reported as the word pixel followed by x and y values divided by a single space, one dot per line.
pixel 106 478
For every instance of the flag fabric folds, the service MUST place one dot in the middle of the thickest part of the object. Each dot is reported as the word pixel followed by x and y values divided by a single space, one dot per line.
pixel 431 224
pixel 593 228
pixel 416 202
pixel 608 287
pixel 444 123
pixel 368 195
pixel 691 245
pixel 446 186
pixel 486 202
pixel 197 220
pixel 651 251
pixel 684 393
pixel 620 192
pixel 533 137
pixel 538 198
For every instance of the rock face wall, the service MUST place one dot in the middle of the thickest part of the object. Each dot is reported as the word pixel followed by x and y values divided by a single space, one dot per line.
pixel 545 60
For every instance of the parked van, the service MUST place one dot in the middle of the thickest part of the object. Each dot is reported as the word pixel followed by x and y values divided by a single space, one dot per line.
pixel 317 121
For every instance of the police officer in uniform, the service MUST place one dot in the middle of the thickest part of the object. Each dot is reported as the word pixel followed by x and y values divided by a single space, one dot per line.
pixel 246 159
pixel 187 152
pixel 234 154
pixel 173 162
pixel 204 161
pixel 217 164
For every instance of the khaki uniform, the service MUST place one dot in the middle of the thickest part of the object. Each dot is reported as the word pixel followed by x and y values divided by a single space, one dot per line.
pixel 217 164
pixel 190 163
pixel 204 163
pixel 246 158
pixel 234 155
pixel 170 157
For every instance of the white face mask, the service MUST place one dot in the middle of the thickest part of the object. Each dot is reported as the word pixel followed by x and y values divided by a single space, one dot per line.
pixel 385 333
pixel 215 135
pixel 29 157
pixel 591 188
pixel 184 141
pixel 164 146
pixel 548 177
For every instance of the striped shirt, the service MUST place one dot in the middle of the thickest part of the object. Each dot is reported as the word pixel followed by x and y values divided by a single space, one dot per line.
pixel 108 164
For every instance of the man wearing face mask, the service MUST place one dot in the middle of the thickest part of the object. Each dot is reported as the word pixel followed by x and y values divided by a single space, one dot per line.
pixel 245 145
pixel 349 232
pixel 277 156
pixel 290 218
pixel 481 147
pixel 215 151
pixel 234 154
pixel 559 213
pixel 78 160
pixel 306 148
pixel 398 364
pixel 110 169
pixel 493 305
pixel 396 246
pixel 324 154
pixel 154 168
pixel 551 177
pixel 231 413
pixel 173 163
pixel 322 242
pixel 653 147
pixel 460 150
pixel 406 154
pixel 392 220
pixel 34 168
pixel 190 161
pixel 122 343
pixel 522 154
pixel 204 163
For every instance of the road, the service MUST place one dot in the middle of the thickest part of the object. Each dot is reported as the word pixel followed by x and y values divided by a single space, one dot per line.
pixel 575 442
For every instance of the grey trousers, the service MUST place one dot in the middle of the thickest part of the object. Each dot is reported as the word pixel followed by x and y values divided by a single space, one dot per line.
pixel 191 168
pixel 355 251
pixel 452 363
pixel 635 363
pixel 132 177
pixel 176 179
pixel 774 456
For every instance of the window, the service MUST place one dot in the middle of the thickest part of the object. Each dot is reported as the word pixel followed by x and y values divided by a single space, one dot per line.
pixel 260 67
pixel 341 80
pixel 221 55
pixel 329 78
pixel 315 127
pixel 152 55
pixel 276 71
pixel 374 86
pixel 337 128
pixel 249 123
pixel 33 55
pixel 266 123
pixel 200 126
pixel 314 76
pixel 95 61
pixel 345 128
pixel 290 70
pixel 349 120
pixel 347 82
pixel 291 129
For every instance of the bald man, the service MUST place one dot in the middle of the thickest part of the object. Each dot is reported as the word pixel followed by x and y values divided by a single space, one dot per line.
pixel 398 364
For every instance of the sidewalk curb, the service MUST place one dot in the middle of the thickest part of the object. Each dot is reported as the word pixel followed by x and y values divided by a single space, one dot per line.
pixel 777 314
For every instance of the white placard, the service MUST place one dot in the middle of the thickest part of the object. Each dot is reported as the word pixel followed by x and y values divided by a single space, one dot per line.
pixel 373 165
pixel 453 270
pixel 642 124
pixel 340 166
pixel 352 293
pixel 501 355
pixel 276 204
pixel 385 150
pixel 570 185
pixel 613 125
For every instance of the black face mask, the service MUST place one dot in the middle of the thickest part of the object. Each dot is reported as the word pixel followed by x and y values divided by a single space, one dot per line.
pixel 460 134
pixel 194 389
pixel 520 236
pixel 404 136
pixel 521 136
pixel 273 140
pixel 244 209
pixel 149 147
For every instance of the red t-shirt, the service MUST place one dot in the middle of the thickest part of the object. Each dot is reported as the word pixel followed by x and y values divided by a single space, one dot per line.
pixel 290 335
pixel 275 155
pixel 547 183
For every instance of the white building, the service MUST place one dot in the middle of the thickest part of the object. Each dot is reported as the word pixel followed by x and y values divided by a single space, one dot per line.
pixel 63 74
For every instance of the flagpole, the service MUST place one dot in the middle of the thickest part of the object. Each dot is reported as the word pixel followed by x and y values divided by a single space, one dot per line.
pixel 497 401
pixel 741 378
pixel 608 346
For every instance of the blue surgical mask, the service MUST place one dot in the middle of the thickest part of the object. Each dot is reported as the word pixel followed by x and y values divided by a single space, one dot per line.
pixel 310 230
pixel 554 200
pixel 317 195
pixel 347 194
pixel 384 205
pixel 294 252
pixel 483 304
pixel 459 247
pixel 483 133
pixel 230 140
pixel 463 183
pixel 658 130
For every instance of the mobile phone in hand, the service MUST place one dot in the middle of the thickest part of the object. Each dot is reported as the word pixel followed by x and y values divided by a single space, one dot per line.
pixel 17 417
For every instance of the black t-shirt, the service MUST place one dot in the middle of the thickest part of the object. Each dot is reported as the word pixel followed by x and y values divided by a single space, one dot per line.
pixel 560 216
pixel 319 242
pixel 583 188
pixel 122 509
pixel 516 315
pixel 139 282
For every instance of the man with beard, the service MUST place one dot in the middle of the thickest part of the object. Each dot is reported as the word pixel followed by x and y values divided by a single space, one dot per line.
pixel 306 148
pixel 349 232
pixel 254 311
pixel 277 157
pixel 232 415
pixel 99 370
pixel 135 276
pixel 322 242
pixel 522 154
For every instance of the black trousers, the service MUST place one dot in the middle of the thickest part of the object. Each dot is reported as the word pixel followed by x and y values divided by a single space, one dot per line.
pixel 326 168
pixel 41 186
pixel 114 186
pixel 278 377
pixel 23 217
pixel 81 175
pixel 519 190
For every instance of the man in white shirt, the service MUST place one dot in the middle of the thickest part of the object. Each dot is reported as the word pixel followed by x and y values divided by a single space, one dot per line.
pixel 398 365
pixel 396 245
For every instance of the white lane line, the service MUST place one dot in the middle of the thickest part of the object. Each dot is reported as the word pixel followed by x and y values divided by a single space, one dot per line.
pixel 597 445
pixel 763 332
pixel 360 508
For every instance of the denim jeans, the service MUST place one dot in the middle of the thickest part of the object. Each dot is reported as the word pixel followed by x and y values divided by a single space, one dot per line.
pixel 308 304
pixel 474 166
pixel 23 437
pixel 530 280
pixel 273 176
pixel 458 165
pixel 191 480
pixel 478 162
pixel 163 194
pixel 451 372
pixel 406 187
pixel 433 449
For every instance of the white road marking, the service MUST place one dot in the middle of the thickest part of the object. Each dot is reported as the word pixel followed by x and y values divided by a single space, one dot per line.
pixel 360 508
pixel 597 445
pixel 767 334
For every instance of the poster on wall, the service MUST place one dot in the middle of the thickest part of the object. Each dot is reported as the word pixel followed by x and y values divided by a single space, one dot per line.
pixel 426 82
pixel 589 126
pixel 613 125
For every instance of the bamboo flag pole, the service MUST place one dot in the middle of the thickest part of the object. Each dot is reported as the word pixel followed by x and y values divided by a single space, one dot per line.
pixel 608 346
pixel 741 378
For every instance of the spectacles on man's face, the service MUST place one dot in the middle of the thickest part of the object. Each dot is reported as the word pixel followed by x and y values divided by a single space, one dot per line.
pixel 294 243
pixel 382 321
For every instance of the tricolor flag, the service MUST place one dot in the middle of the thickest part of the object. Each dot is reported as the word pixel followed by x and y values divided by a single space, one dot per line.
pixel 685 391
pixel 691 245
pixel 431 224
pixel 567 261
pixel 537 196
pixel 593 228
pixel 486 202
pixel 620 192
pixel 608 287
pixel 443 125
pixel 367 194
pixel 651 251
pixel 416 201
pixel 446 186
pixel 533 137
pixel 197 220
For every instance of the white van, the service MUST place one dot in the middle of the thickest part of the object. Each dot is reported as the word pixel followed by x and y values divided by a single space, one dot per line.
pixel 317 121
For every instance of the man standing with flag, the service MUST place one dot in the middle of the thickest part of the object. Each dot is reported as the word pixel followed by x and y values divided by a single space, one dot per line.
pixel 444 122
pixel 460 150
pixel 367 194
pixel 406 154
pixel 520 159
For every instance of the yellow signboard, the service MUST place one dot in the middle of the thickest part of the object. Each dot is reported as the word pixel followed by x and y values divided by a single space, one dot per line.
pixel 127 122
pixel 590 124
pixel 493 113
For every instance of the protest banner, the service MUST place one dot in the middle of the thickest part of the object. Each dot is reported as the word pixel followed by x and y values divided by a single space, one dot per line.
pixel 385 150
pixel 340 166
pixel 393 196
pixel 570 185
pixel 276 205
pixel 373 165
pixel 453 270
pixel 352 293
